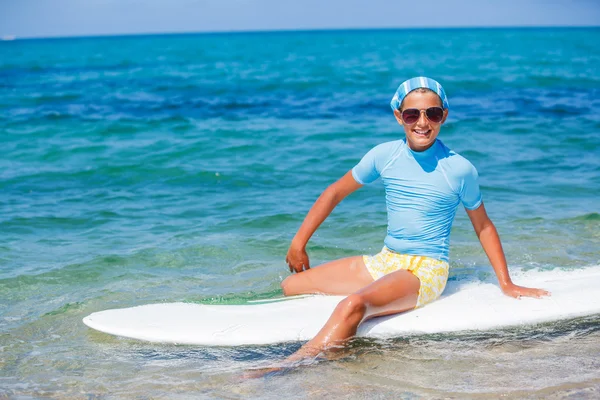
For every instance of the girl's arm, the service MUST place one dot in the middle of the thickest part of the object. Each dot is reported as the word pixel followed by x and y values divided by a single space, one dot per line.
pixel 297 258
pixel 490 241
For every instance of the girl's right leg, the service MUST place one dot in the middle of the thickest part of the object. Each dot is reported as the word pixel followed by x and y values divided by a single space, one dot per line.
pixel 394 293
pixel 340 277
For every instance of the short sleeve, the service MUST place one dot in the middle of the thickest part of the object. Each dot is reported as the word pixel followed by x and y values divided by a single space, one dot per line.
pixel 470 194
pixel 369 168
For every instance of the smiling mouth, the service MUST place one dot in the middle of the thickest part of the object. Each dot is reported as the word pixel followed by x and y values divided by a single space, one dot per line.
pixel 422 133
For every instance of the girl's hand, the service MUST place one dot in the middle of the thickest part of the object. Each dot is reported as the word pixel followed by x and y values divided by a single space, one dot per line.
pixel 297 259
pixel 520 291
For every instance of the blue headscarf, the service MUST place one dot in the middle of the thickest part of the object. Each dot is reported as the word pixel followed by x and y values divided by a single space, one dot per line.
pixel 414 83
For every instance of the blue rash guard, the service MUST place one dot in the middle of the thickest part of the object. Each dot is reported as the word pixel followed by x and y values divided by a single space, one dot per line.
pixel 422 192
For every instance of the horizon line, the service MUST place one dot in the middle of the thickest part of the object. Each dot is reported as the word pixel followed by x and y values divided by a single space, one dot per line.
pixel 291 30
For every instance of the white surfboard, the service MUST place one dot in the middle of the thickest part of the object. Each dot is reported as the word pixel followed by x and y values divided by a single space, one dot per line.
pixel 465 306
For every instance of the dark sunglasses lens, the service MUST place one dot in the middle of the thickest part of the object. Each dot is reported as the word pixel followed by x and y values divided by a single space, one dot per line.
pixel 411 115
pixel 435 114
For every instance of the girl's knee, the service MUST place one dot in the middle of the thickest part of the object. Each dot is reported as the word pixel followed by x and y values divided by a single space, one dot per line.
pixel 352 309
pixel 287 285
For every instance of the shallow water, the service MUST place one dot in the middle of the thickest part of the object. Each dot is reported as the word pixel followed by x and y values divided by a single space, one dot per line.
pixel 178 168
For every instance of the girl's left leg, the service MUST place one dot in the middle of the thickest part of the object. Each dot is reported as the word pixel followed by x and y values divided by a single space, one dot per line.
pixel 394 293
pixel 339 277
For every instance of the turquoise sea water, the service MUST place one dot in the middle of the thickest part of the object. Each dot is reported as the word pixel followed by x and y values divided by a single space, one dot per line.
pixel 178 168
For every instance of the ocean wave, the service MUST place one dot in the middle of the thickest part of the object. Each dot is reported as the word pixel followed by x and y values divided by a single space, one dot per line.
pixel 283 105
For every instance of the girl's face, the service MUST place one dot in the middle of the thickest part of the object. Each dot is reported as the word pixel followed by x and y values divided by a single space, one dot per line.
pixel 422 134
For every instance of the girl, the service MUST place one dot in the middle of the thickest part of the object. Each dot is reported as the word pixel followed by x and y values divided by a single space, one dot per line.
pixel 424 183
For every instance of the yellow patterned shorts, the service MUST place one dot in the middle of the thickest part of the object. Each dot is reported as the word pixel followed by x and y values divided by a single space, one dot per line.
pixel 432 273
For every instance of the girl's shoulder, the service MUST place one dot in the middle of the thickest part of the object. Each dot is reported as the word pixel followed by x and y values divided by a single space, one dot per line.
pixel 387 149
pixel 391 145
pixel 457 162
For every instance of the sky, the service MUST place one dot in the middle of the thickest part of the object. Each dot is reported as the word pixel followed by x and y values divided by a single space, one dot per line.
pixel 52 18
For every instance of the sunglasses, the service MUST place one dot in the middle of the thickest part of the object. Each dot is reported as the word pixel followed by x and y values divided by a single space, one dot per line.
pixel 410 116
